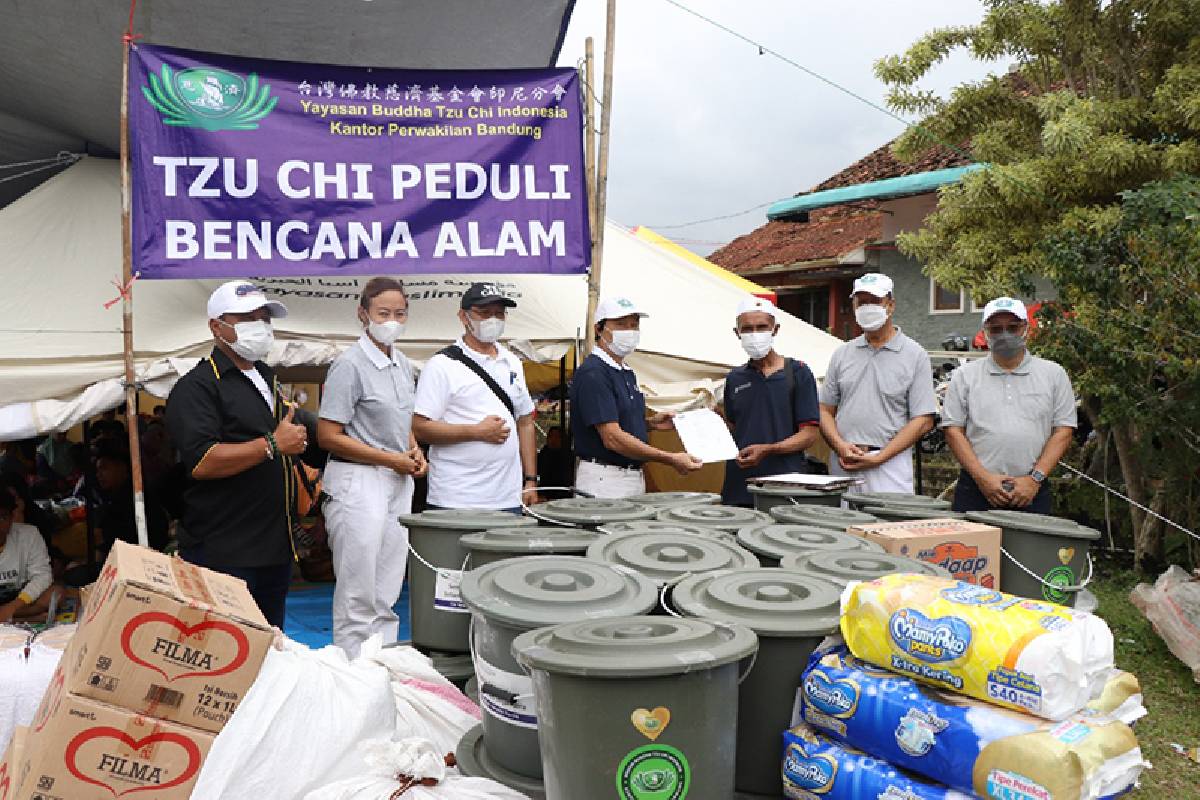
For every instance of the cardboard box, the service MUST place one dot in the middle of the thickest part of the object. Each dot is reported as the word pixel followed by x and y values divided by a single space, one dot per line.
pixel 11 763
pixel 970 551
pixel 80 749
pixel 167 639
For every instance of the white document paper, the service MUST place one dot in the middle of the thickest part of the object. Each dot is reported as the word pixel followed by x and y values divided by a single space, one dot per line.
pixel 705 435
pixel 811 481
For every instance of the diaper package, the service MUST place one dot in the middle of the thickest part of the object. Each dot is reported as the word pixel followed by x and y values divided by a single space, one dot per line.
pixel 1037 657
pixel 970 745
pixel 817 768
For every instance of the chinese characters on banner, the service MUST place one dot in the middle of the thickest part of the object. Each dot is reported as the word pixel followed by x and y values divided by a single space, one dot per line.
pixel 268 168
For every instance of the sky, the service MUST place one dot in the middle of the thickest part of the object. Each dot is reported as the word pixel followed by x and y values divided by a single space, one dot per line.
pixel 703 126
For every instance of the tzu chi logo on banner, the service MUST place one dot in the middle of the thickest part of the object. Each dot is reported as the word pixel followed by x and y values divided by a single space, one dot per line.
pixel 212 99
pixel 247 167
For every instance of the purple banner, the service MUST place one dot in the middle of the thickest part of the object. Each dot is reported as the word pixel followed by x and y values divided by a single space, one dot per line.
pixel 246 167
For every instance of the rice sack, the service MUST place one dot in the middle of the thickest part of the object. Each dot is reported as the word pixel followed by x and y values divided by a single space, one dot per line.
pixel 1045 659
pixel 818 768
pixel 967 744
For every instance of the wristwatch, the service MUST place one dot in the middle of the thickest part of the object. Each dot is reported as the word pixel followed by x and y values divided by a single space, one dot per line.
pixel 534 478
pixel 1037 475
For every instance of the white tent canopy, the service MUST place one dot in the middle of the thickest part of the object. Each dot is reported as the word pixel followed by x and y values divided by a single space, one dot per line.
pixel 61 348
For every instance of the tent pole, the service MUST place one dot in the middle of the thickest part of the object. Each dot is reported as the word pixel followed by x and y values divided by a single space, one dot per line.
pixel 131 391
pixel 589 163
pixel 610 34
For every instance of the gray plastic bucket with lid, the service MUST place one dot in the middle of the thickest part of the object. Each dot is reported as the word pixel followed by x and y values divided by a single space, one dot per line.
pixel 665 557
pixel 902 513
pixel 858 500
pixel 772 542
pixel 488 547
pixel 439 617
pixel 730 519
pixel 654 525
pixel 511 597
pixel 859 565
pixel 475 761
pixel 769 495
pixel 589 512
pixel 675 499
pixel 647 705
pixel 837 519
pixel 791 612
pixel 1045 557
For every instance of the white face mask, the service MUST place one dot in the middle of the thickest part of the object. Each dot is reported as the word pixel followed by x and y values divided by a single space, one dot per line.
pixel 487 330
pixel 624 342
pixel 757 344
pixel 385 332
pixel 254 339
pixel 871 318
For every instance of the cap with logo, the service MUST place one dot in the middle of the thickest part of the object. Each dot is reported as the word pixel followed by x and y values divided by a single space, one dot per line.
pixel 873 283
pixel 757 304
pixel 617 307
pixel 242 297
pixel 1005 305
pixel 483 294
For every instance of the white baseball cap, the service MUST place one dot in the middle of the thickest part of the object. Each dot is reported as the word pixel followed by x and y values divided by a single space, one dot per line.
pixel 757 304
pixel 617 307
pixel 242 297
pixel 1005 304
pixel 875 283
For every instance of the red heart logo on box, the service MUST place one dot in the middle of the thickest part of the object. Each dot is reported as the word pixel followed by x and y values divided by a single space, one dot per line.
pixel 190 747
pixel 152 617
pixel 103 585
pixel 4 781
pixel 49 700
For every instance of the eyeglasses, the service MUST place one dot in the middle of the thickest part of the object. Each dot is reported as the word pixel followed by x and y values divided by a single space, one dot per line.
pixel 996 330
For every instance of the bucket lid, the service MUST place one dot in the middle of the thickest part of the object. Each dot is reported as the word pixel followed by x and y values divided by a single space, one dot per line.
pixel 784 490
pixel 726 518
pixel 1034 523
pixel 780 539
pixel 664 556
pixel 653 525
pixel 465 519
pixel 859 499
pixel 453 666
pixel 593 510
pixel 632 647
pixel 531 592
pixel 901 512
pixel 858 565
pixel 770 602
pixel 672 499
pixel 475 761
pixel 822 516
pixel 532 539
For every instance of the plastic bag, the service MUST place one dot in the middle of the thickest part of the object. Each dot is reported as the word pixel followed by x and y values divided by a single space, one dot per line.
pixel 23 680
pixel 1172 605
pixel 299 727
pixel 402 765
pixel 815 766
pixel 427 705
pixel 1037 657
pixel 966 743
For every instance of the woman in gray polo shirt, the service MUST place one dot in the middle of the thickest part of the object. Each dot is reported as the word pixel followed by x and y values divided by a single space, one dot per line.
pixel 366 425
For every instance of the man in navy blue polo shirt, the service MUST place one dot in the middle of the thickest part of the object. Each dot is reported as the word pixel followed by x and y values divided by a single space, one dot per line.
pixel 770 402
pixel 610 425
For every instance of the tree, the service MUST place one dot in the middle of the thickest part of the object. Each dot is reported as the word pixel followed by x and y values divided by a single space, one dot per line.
pixel 1102 98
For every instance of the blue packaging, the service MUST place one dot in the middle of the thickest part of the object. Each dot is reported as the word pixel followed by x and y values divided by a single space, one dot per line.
pixel 817 768
pixel 965 743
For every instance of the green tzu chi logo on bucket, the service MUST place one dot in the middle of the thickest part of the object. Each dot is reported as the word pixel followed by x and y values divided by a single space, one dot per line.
pixel 654 772
pixel 209 98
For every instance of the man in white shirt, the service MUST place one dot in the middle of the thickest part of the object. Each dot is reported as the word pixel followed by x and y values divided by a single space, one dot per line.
pixel 25 576
pixel 473 408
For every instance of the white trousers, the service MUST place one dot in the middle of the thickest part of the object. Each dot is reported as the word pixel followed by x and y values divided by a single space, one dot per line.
pixel 893 475
pixel 603 480
pixel 370 549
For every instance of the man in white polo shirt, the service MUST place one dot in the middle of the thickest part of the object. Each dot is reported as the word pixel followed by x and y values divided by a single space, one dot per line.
pixel 473 407
pixel 1008 418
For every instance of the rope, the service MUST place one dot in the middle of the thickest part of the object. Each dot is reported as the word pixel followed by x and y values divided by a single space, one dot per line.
pixel 1080 587
pixel 1132 502
pixel 130 36
pixel 57 163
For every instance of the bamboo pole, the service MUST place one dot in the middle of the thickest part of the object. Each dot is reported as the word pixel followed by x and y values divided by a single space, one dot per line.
pixel 589 164
pixel 131 392
pixel 601 180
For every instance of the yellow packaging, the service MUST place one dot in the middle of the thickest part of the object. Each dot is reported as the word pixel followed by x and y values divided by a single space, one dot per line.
pixel 1036 657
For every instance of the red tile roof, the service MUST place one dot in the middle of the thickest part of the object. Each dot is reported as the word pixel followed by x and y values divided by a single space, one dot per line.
pixel 830 232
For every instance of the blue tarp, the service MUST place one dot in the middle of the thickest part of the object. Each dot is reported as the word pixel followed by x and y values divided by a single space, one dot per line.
pixel 903 186
pixel 310 614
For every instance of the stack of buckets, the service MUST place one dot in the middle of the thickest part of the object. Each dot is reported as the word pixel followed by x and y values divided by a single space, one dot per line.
pixel 646 652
